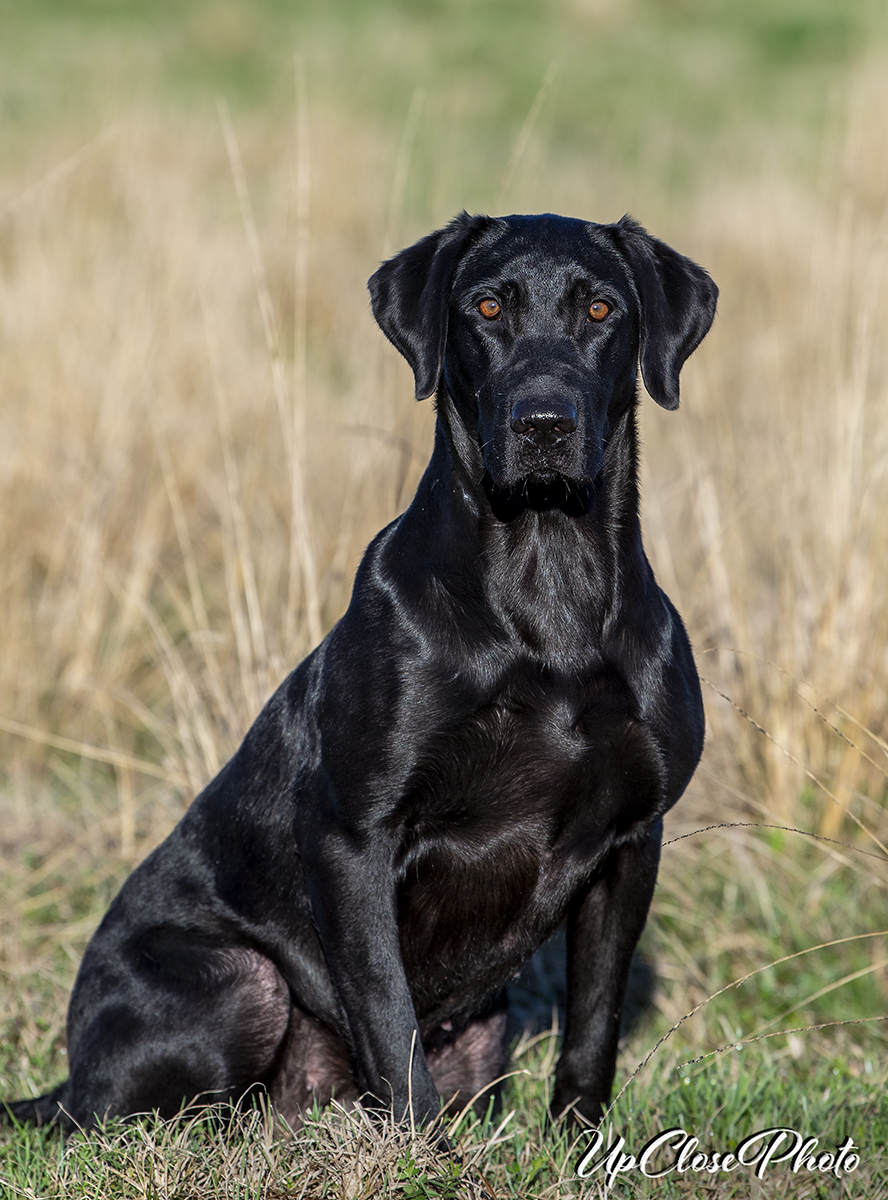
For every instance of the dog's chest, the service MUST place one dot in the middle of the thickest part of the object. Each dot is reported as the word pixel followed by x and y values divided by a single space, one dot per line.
pixel 541 756
pixel 506 816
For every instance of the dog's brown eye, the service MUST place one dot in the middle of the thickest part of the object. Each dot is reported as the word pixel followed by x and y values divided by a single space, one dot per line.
pixel 598 310
pixel 489 308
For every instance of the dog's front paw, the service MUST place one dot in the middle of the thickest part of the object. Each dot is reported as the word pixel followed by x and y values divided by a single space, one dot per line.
pixel 571 1105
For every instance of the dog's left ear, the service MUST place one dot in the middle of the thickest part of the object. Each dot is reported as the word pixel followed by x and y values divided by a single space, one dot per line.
pixel 678 301
pixel 409 295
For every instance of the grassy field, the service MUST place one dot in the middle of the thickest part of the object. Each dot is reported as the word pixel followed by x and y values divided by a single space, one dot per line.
pixel 200 430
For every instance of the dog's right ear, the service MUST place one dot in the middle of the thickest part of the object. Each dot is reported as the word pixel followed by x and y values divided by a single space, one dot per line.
pixel 410 292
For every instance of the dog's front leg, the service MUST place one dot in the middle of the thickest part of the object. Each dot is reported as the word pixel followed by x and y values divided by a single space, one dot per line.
pixel 352 886
pixel 604 926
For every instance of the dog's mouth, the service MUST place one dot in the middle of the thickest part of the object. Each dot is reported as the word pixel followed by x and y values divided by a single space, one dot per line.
pixel 544 450
pixel 539 493
pixel 542 477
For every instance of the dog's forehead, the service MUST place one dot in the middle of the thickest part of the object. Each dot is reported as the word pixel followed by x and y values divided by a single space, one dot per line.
pixel 551 251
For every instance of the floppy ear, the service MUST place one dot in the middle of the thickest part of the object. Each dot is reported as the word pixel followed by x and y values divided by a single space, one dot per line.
pixel 677 307
pixel 409 295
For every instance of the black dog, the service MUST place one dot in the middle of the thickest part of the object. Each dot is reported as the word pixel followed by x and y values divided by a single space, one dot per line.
pixel 483 747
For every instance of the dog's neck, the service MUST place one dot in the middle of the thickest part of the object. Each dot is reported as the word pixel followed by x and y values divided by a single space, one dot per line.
pixel 549 557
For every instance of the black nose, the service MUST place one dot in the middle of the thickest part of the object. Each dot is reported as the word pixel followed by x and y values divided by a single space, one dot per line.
pixel 547 422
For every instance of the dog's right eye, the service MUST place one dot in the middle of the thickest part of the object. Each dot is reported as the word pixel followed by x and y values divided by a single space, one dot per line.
pixel 489 308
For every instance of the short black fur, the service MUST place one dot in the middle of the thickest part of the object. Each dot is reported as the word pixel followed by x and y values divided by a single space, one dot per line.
pixel 483 747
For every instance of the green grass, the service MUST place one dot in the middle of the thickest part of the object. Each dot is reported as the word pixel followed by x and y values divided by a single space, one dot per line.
pixel 720 1105
pixel 660 92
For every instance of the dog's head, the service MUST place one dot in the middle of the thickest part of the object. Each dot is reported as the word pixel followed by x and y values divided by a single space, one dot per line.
pixel 536 325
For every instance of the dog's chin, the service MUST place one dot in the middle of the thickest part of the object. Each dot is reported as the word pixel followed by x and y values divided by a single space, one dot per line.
pixel 539 492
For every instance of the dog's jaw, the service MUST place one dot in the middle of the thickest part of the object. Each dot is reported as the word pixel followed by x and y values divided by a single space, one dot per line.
pixel 539 494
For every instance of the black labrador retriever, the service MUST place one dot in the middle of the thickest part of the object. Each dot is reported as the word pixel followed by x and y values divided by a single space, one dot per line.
pixel 483 747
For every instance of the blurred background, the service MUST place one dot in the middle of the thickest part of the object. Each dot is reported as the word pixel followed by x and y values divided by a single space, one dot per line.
pixel 200 427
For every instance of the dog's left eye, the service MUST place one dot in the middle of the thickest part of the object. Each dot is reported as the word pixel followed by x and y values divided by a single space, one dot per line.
pixel 489 308
pixel 598 310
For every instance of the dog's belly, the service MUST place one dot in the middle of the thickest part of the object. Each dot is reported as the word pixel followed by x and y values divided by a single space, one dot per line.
pixel 506 819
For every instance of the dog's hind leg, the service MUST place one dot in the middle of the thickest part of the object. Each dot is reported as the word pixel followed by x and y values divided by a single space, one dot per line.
pixel 193 1022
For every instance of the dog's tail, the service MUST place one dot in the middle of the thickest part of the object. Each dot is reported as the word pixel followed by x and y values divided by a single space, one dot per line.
pixel 42 1110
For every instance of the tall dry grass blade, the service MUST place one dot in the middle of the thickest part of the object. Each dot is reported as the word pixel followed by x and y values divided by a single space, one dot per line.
pixel 300 515
pixel 300 551
pixel 470 1104
pixel 736 983
pixel 198 747
pixel 199 617
pixel 525 134
pixel 197 621
pixel 402 173
pixel 740 1043
pixel 234 539
pixel 126 800
pixel 707 511
pixel 798 686
pixel 410 1084
pixel 114 758
pixel 257 659
pixel 824 991
pixel 801 765
pixel 481 1151
pixel 58 173
pixel 815 837
pixel 142 716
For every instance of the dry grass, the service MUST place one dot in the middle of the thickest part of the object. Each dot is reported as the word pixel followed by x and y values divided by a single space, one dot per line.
pixel 200 430
pixel 341 1154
